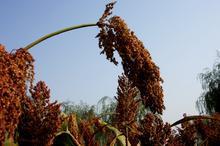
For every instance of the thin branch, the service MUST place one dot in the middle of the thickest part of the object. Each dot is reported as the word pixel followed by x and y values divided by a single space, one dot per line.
pixel 56 33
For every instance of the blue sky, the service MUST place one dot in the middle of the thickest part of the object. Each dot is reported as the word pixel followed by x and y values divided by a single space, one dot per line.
pixel 181 35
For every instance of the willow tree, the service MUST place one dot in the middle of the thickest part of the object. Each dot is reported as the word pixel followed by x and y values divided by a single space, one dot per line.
pixel 209 101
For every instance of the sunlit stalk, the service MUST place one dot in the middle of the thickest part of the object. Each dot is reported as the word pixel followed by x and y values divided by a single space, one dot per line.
pixel 56 33
pixel 189 118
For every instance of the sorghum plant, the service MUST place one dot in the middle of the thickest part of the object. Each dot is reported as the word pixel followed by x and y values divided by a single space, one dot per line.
pixel 73 127
pixel 200 131
pixel 37 120
pixel 15 70
pixel 87 132
pixel 40 119
pixel 136 60
pixel 154 131
pixel 127 109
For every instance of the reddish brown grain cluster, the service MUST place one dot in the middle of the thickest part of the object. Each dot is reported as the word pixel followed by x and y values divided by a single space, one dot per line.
pixel 136 60
pixel 154 131
pixel 127 109
pixel 73 127
pixel 40 119
pixel 87 128
pixel 202 132
pixel 35 119
pixel 15 70
pixel 187 134
pixel 209 130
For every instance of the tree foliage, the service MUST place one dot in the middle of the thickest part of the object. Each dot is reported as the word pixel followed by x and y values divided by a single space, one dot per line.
pixel 209 101
pixel 82 110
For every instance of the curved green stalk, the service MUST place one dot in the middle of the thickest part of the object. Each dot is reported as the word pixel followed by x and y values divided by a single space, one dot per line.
pixel 56 33
pixel 189 118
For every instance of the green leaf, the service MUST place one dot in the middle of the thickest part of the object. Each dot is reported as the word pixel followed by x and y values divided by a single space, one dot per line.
pixel 65 138
pixel 118 135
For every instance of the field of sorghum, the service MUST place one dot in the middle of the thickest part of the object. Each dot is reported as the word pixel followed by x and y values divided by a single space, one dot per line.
pixel 28 118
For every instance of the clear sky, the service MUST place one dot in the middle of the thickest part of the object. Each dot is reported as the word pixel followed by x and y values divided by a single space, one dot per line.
pixel 181 35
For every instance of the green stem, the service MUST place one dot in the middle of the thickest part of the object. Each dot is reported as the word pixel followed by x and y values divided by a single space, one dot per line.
pixel 56 33
pixel 189 118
